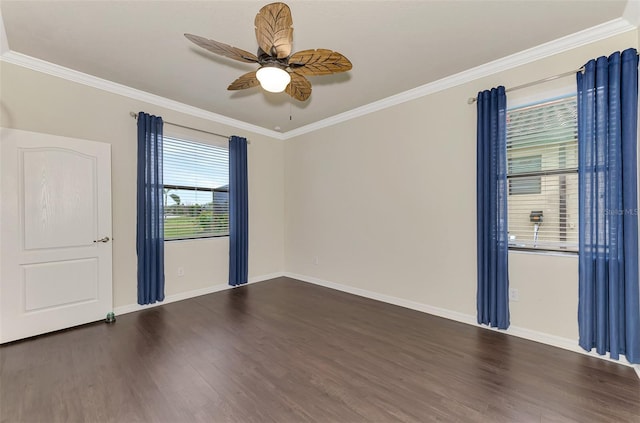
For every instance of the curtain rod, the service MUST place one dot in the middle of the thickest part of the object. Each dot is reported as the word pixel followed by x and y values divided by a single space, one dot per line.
pixel 540 81
pixel 135 116
pixel 529 84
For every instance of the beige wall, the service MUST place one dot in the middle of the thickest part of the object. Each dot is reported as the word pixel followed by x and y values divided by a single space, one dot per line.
pixel 37 102
pixel 386 203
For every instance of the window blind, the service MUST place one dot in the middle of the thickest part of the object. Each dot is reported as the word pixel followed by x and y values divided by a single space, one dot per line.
pixel 196 189
pixel 542 154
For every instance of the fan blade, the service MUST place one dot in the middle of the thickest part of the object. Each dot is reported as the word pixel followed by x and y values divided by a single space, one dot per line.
pixel 299 87
pixel 273 30
pixel 247 80
pixel 223 49
pixel 319 62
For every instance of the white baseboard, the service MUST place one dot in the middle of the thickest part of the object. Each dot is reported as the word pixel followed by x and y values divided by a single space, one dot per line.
pixel 190 294
pixel 532 335
pixel 425 308
pixel 266 277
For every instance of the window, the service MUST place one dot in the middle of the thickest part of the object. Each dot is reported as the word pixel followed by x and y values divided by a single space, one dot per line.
pixel 196 189
pixel 542 172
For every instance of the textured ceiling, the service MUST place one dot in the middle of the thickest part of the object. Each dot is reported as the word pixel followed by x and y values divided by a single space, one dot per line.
pixel 394 45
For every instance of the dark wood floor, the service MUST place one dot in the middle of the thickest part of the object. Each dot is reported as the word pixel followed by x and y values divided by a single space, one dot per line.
pixel 288 351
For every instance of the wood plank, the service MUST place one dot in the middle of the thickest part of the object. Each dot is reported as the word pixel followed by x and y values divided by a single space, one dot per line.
pixel 288 351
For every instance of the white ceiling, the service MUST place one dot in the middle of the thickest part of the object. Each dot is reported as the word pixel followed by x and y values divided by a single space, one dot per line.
pixel 394 45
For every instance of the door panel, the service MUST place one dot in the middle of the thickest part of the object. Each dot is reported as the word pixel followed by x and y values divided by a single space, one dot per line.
pixel 56 201
pixel 60 283
pixel 60 203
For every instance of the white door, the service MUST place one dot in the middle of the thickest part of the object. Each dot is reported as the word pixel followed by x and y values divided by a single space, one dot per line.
pixel 55 230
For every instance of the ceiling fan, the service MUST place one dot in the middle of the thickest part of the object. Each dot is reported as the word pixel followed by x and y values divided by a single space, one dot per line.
pixel 279 69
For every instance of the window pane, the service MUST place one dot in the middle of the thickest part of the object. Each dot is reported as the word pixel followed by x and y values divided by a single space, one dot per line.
pixel 193 164
pixel 548 220
pixel 524 184
pixel 196 183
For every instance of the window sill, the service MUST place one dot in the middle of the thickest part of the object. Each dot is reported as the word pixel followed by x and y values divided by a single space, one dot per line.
pixel 196 238
pixel 543 252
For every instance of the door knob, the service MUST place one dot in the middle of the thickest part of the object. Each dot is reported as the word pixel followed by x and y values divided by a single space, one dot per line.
pixel 105 239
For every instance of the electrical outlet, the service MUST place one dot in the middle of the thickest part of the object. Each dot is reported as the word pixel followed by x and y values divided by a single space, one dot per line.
pixel 316 260
pixel 180 271
pixel 514 295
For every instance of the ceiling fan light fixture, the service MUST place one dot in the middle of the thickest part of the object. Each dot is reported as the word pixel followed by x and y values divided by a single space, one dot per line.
pixel 274 33
pixel 273 78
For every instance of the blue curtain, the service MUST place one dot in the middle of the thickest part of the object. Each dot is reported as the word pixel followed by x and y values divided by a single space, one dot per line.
pixel 608 313
pixel 238 212
pixel 491 189
pixel 150 220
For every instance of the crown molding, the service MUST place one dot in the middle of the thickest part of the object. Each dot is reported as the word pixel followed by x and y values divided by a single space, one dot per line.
pixel 578 39
pixel 115 88
pixel 590 35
